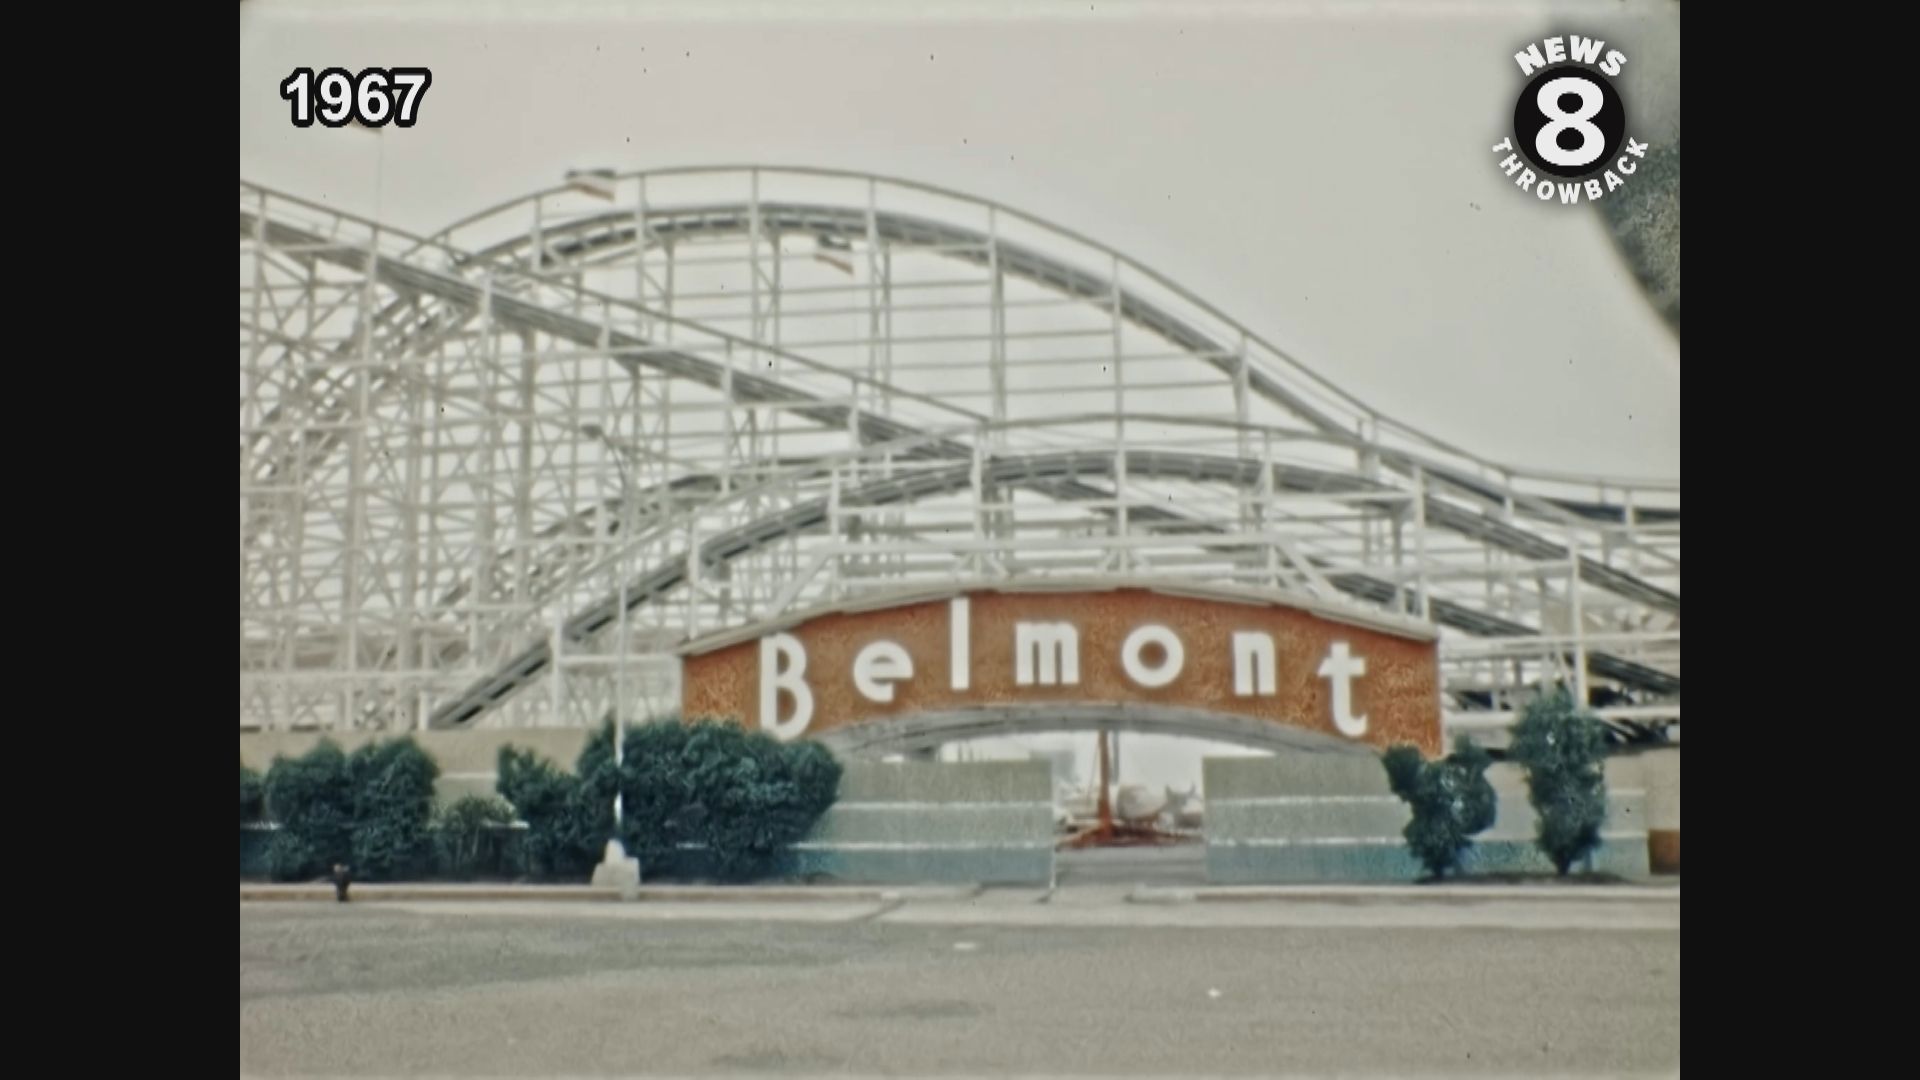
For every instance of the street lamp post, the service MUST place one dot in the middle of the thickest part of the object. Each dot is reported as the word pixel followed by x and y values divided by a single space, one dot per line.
pixel 618 868
pixel 595 431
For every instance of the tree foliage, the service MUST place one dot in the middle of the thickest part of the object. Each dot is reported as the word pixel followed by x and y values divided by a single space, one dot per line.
pixel 1451 800
pixel 392 784
pixel 473 838
pixel 742 796
pixel 567 824
pixel 311 798
pixel 368 810
pixel 1562 747
pixel 253 795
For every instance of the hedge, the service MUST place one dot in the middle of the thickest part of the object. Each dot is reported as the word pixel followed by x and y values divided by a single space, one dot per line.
pixel 253 795
pixel 742 797
pixel 368 810
pixel 474 839
pixel 708 795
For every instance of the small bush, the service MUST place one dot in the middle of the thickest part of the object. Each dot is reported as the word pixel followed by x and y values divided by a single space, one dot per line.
pixel 472 835
pixel 1562 747
pixel 656 783
pixel 742 795
pixel 752 795
pixel 1451 801
pixel 567 827
pixel 311 796
pixel 368 810
pixel 253 795
pixel 392 784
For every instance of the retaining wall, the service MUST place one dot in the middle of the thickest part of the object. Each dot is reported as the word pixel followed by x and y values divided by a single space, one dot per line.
pixel 918 821
pixel 1331 817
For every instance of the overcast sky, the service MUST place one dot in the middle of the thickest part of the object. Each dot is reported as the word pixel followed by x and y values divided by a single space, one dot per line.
pixel 1326 179
pixel 1321 172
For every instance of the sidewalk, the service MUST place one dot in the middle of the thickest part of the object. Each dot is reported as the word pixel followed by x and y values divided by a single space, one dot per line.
pixel 1450 893
pixel 375 893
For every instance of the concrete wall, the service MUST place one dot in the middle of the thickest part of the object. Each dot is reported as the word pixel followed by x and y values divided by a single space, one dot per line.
pixel 916 821
pixel 1332 817
pixel 1660 771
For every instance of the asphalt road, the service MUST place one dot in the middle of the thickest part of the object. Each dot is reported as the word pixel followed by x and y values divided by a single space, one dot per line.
pixel 542 990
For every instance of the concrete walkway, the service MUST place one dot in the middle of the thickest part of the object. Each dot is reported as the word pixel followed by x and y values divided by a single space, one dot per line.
pixel 1515 907
pixel 377 893
pixel 1448 892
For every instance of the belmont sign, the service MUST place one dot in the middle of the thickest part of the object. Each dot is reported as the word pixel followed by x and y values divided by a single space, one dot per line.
pixel 1247 656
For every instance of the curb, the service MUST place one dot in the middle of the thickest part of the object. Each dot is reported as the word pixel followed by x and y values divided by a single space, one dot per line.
pixel 1440 893
pixel 1141 894
pixel 374 893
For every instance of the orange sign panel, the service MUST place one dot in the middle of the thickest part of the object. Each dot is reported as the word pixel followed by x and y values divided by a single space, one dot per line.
pixel 1257 660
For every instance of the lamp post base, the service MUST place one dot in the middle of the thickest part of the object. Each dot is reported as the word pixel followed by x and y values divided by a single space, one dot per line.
pixel 618 870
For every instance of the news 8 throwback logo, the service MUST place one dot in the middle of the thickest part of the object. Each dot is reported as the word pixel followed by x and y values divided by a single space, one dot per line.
pixel 373 98
pixel 1569 139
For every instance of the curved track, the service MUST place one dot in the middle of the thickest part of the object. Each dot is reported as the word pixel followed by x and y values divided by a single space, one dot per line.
pixel 588 239
pixel 374 561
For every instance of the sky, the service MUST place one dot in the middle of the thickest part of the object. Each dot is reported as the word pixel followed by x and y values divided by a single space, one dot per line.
pixel 1325 179
pixel 1321 172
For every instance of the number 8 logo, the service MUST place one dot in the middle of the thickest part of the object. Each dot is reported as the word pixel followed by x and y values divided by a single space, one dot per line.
pixel 1543 125
pixel 1593 142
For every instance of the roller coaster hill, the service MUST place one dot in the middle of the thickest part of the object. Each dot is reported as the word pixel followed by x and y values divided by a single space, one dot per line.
pixel 499 475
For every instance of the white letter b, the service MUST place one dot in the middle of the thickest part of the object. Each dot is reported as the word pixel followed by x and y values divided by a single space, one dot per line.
pixel 773 648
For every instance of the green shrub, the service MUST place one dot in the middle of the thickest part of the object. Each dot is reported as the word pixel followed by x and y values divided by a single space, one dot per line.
pixel 749 795
pixel 1451 801
pixel 1562 747
pixel 291 857
pixel 368 810
pixel 473 838
pixel 253 795
pixel 656 788
pixel 742 795
pixel 567 828
pixel 311 796
pixel 392 784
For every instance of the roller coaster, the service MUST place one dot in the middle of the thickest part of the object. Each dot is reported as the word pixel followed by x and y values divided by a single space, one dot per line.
pixel 498 475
